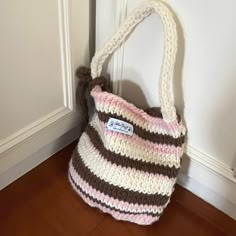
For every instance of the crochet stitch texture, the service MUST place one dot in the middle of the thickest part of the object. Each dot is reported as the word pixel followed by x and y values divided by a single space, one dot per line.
pixel 130 177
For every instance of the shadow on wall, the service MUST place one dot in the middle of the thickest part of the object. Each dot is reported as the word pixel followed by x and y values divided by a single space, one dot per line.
pixel 134 93
pixel 131 91
pixel 92 27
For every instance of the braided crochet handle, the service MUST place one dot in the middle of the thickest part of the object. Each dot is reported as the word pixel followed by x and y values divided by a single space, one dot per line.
pixel 170 48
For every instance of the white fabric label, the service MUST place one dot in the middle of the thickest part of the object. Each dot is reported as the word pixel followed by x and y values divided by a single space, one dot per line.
pixel 120 126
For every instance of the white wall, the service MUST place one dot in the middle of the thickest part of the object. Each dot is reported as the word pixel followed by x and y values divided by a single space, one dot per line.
pixel 41 45
pixel 204 83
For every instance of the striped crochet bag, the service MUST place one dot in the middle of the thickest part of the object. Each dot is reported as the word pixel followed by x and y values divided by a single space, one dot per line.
pixel 127 159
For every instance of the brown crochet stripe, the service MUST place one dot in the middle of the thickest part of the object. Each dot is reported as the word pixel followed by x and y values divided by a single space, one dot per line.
pixel 156 112
pixel 155 138
pixel 109 207
pixel 119 160
pixel 115 191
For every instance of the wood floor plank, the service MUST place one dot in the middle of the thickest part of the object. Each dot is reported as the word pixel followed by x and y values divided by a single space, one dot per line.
pixel 205 210
pixel 42 202
pixel 110 227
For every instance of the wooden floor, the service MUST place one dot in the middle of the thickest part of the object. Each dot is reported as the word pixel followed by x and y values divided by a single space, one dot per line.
pixel 43 203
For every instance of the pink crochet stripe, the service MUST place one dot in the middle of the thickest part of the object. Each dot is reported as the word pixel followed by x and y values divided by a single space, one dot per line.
pixel 144 144
pixel 112 201
pixel 102 98
pixel 141 219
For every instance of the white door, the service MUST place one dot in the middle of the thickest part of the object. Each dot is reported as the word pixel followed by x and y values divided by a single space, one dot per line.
pixel 41 45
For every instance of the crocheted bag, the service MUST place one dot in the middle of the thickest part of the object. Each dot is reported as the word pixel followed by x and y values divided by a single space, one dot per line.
pixel 127 159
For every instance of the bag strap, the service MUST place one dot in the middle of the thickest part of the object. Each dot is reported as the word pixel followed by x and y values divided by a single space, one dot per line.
pixel 170 49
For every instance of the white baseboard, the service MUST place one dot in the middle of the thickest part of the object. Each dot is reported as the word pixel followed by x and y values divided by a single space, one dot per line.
pixel 207 195
pixel 28 147
pixel 27 164
pixel 213 164
pixel 210 180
